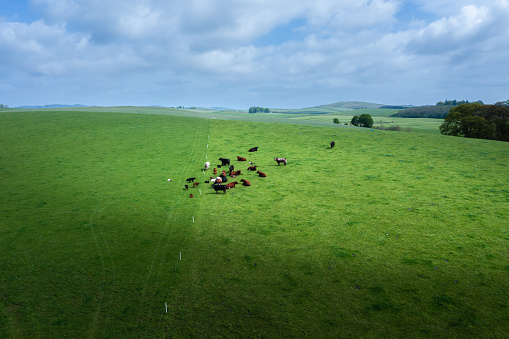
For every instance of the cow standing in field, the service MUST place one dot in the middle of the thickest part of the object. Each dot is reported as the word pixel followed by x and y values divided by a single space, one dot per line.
pixel 224 162
pixel 220 188
pixel 332 144
pixel 280 161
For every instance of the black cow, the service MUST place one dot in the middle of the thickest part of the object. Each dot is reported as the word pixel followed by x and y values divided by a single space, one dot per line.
pixel 232 168
pixel 225 162
pixel 190 179
pixel 218 187
pixel 332 143
pixel 254 149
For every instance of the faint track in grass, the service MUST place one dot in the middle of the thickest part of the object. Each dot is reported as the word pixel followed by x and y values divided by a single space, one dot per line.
pixel 167 297
pixel 96 214
pixel 161 258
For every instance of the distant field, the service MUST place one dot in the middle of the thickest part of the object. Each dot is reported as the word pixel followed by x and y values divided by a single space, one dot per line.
pixel 318 117
pixel 389 234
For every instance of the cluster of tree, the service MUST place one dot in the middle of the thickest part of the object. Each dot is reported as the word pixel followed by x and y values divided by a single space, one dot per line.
pixel 3 106
pixel 258 109
pixel 363 120
pixel 455 102
pixel 475 120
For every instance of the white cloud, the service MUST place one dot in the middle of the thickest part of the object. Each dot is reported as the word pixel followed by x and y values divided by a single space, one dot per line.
pixel 341 45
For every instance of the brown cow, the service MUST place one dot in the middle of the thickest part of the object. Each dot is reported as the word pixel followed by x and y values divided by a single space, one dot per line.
pixel 231 185
pixel 261 174
pixel 252 168
pixel 241 158
pixel 233 174
pixel 245 182
pixel 195 184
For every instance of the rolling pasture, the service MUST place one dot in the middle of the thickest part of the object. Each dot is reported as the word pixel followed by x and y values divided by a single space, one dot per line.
pixel 388 234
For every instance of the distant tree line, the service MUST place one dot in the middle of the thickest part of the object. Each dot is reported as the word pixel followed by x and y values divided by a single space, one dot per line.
pixel 258 109
pixel 455 102
pixel 475 120
pixel 3 106
pixel 438 111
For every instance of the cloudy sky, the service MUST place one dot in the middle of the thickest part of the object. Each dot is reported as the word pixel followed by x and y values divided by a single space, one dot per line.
pixel 242 53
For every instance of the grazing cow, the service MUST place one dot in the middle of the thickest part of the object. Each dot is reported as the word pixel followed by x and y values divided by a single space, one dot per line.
pixel 225 162
pixel 280 160
pixel 245 182
pixel 252 168
pixel 190 179
pixel 233 174
pixel 219 188
pixel 332 144
pixel 261 174
pixel 232 168
pixel 241 158
pixel 231 185
pixel 254 149
pixel 187 187
pixel 195 184
pixel 215 170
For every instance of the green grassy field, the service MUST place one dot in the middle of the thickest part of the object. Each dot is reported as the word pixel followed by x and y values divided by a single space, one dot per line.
pixel 389 234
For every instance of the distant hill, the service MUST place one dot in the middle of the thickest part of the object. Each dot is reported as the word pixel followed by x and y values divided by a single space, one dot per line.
pixel 339 107
pixel 352 105
pixel 52 106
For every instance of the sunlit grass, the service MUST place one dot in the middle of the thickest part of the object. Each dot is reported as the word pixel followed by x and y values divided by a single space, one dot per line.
pixel 388 234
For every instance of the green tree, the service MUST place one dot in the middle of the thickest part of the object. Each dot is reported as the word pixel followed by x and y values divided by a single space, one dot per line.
pixel 475 120
pixel 355 120
pixel 365 120
pixel 335 120
pixel 255 109
pixel 455 123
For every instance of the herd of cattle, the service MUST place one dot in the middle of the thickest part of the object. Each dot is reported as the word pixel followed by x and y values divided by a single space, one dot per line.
pixel 220 183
